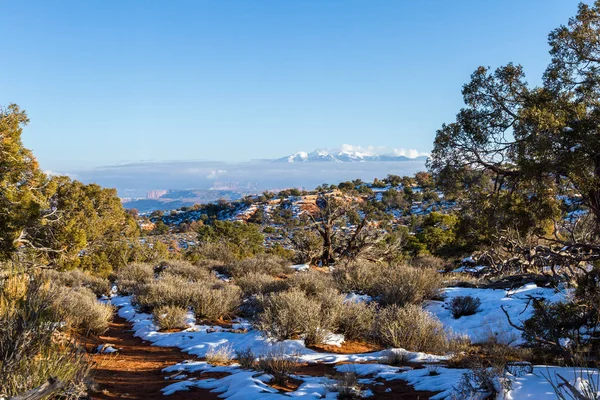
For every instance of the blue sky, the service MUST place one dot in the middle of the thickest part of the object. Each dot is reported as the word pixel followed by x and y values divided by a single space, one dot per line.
pixel 107 82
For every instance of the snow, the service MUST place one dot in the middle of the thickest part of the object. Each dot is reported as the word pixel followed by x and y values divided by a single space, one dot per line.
pixel 106 349
pixel 537 384
pixel 300 267
pixel 489 319
pixel 357 298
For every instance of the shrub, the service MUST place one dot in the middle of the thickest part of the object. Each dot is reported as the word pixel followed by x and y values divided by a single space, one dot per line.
pixel 216 303
pixel 77 278
pixel 219 252
pixel 410 328
pixel 356 320
pixel 427 261
pixel 263 264
pixel 347 386
pixel 357 277
pixel 130 277
pixel 287 315
pixel 188 271
pixel 259 283
pixel 28 355
pixel 245 358
pixel 82 311
pixel 312 282
pixel 397 358
pixel 403 285
pixel 170 317
pixel 464 305
pixel 291 314
pixel 168 290
pixel 220 355
pixel 278 364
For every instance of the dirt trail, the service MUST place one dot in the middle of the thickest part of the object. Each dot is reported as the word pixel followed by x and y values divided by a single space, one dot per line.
pixel 136 371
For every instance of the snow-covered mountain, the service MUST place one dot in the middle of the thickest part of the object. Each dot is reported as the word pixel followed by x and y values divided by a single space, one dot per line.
pixel 342 156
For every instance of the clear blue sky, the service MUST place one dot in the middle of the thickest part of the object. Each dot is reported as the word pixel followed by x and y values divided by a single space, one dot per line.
pixel 112 81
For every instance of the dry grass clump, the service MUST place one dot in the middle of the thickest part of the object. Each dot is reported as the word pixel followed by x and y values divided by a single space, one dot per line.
pixel 312 282
pixel 218 252
pixel 76 278
pixel 291 314
pixel 218 302
pixel 427 261
pixel 259 283
pixel 347 387
pixel 168 290
pixel 246 358
pixel 82 311
pixel 390 284
pixel 187 270
pixel 263 264
pixel 28 355
pixel 170 317
pixel 220 355
pixel 464 305
pixel 278 364
pixel 356 320
pixel 132 276
pixel 411 328
pixel 359 276
pixel 402 285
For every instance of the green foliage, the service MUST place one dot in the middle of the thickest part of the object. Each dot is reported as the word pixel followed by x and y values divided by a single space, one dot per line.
pixel 244 240
pixel 93 228
pixel 24 198
pixel 532 142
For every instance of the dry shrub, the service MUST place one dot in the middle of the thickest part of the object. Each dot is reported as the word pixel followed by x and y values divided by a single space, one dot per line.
pixel 187 270
pixel 260 283
pixel 217 302
pixel 356 320
pixel 359 277
pixel 402 285
pixel 464 305
pixel 291 314
pixel 264 264
pixel 220 355
pixel 278 364
pixel 82 311
pixel 397 357
pixel 28 355
pixel 77 278
pixel 427 261
pixel 312 282
pixel 132 276
pixel 219 252
pixel 168 290
pixel 411 328
pixel 246 358
pixel 347 386
pixel 170 317
pixel 287 315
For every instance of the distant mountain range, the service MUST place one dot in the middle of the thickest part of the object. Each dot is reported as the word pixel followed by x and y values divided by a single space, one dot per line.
pixel 342 157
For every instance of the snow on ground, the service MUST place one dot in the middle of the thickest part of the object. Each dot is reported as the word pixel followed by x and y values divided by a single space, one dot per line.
pixel 357 298
pixel 490 320
pixel 249 385
pixel 537 385
pixel 300 267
